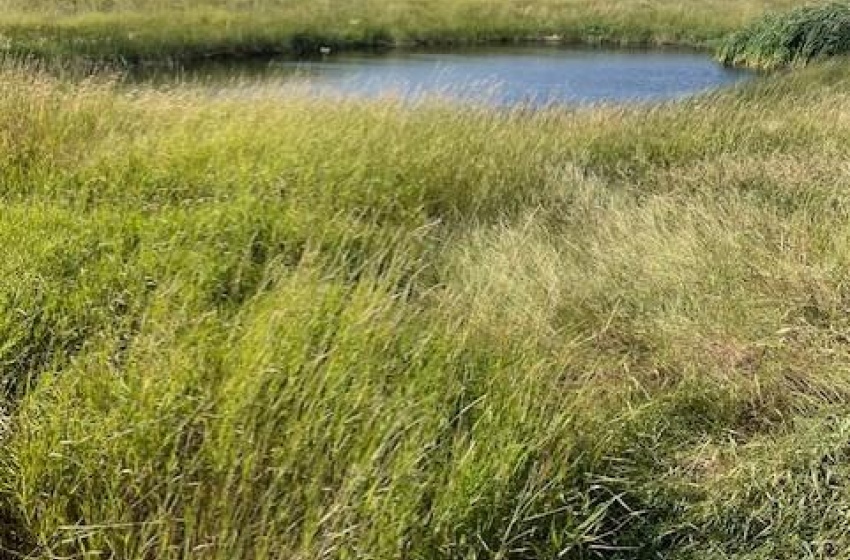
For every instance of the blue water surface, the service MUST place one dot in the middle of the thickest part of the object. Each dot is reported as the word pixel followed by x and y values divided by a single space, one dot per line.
pixel 498 76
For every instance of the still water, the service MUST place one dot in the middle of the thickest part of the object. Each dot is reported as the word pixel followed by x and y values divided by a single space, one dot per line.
pixel 501 76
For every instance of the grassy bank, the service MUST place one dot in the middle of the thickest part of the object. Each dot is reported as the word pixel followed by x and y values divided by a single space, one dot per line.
pixel 304 329
pixel 151 30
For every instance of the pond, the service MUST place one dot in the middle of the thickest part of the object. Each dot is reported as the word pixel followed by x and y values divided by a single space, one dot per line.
pixel 497 76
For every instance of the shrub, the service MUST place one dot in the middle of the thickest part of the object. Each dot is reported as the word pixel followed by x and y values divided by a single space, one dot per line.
pixel 794 38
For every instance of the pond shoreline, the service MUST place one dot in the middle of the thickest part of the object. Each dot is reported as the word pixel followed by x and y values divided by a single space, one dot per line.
pixel 125 36
pixel 315 47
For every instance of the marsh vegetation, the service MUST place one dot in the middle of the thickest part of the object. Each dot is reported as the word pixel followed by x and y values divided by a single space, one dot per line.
pixel 293 328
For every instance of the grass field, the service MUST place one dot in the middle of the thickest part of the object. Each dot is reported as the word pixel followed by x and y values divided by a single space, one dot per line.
pixel 294 328
pixel 307 329
pixel 160 30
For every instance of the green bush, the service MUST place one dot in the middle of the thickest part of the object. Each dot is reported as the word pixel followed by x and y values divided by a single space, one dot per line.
pixel 794 38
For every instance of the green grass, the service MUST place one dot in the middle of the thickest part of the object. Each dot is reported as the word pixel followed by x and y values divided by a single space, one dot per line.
pixel 295 328
pixel 791 39
pixel 134 31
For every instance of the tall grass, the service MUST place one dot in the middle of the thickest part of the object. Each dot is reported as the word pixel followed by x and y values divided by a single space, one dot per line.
pixel 152 30
pixel 794 38
pixel 289 328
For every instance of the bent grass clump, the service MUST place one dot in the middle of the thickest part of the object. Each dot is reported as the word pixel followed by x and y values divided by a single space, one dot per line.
pixel 790 39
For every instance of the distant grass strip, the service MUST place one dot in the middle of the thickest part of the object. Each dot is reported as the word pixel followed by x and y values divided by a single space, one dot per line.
pixel 143 31
pixel 791 39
